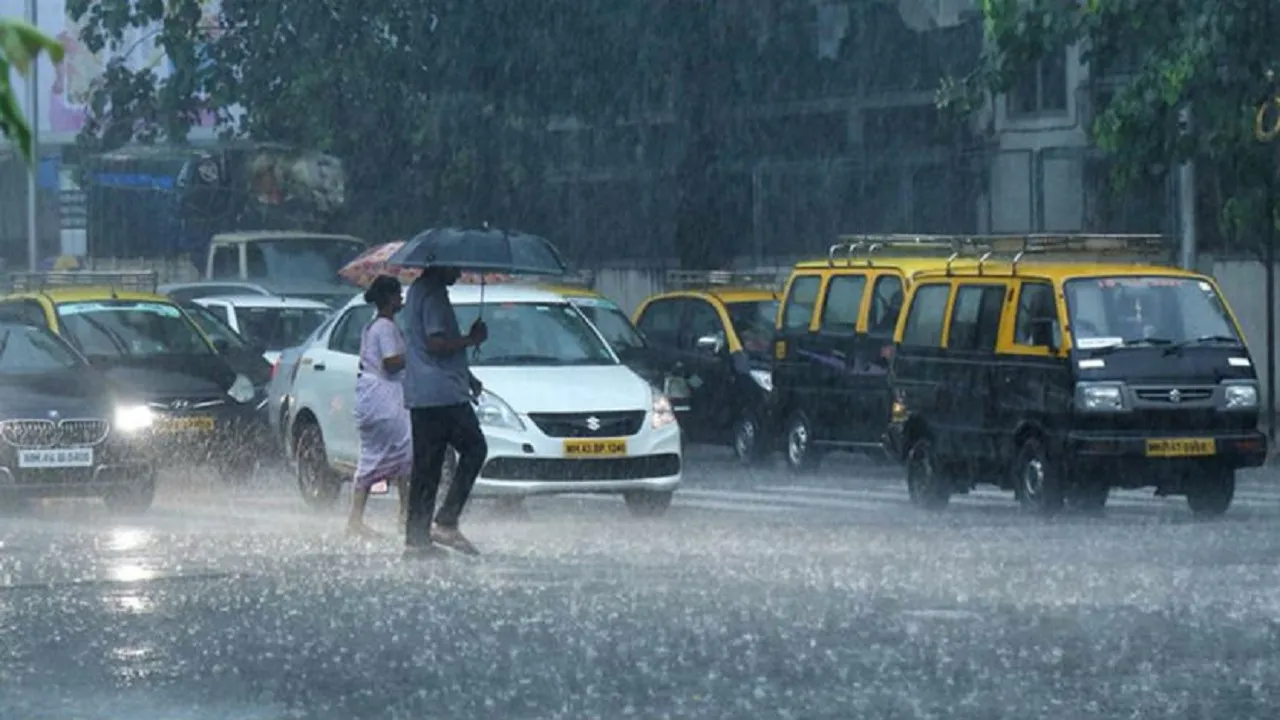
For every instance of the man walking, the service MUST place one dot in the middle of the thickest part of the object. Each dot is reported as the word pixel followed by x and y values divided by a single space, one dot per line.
pixel 438 389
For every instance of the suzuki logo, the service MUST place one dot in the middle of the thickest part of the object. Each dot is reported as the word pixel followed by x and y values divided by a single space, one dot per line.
pixel 1175 395
pixel 593 423
pixel 179 405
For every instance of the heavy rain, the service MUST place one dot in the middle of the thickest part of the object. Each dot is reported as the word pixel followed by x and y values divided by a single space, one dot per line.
pixel 638 359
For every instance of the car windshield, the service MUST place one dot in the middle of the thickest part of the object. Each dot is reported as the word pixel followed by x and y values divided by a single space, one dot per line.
pixel 1131 310
pixel 305 258
pixel 754 323
pixel 26 349
pixel 121 328
pixel 213 326
pixel 535 334
pixel 612 323
pixel 277 328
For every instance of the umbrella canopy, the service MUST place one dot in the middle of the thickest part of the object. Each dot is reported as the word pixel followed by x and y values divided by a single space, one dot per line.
pixel 374 262
pixel 482 250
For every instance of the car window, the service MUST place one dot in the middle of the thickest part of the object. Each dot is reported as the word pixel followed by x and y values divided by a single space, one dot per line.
pixel 213 326
pixel 346 334
pixel 1036 324
pixel 660 321
pixel 886 306
pixel 926 316
pixel 25 312
pixel 800 302
pixel 754 321
pixel 975 318
pixel 843 303
pixel 225 262
pixel 128 328
pixel 277 328
pixel 34 349
pixel 702 320
pixel 612 323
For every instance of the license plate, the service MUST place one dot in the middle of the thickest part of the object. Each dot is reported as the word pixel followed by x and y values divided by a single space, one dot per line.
pixel 604 447
pixel 56 458
pixel 1181 447
pixel 199 423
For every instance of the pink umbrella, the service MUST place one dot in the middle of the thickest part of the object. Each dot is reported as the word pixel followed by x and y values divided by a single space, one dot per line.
pixel 373 262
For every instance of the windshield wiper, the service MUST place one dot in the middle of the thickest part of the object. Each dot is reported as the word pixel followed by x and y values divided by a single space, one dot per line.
pixel 1132 342
pixel 1203 339
pixel 520 359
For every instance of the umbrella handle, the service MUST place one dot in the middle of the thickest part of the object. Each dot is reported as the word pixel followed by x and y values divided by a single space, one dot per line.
pixel 480 315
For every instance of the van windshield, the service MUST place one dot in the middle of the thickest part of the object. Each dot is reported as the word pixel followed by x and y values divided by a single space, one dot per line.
pixel 305 258
pixel 1146 309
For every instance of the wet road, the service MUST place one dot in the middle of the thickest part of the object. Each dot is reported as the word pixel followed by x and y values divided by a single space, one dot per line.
pixel 758 596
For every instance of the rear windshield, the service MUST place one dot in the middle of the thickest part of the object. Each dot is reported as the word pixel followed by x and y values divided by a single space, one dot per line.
pixel 754 323
pixel 278 328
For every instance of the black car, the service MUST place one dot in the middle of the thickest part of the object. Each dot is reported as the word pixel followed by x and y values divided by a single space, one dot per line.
pixel 65 431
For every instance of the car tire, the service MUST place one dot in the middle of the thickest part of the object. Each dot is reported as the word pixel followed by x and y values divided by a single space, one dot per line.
pixel 1037 481
pixel 318 484
pixel 928 487
pixel 132 499
pixel 648 503
pixel 749 445
pixel 1211 497
pixel 800 455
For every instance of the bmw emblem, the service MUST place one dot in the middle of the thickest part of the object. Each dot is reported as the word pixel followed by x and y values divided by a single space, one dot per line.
pixel 53 414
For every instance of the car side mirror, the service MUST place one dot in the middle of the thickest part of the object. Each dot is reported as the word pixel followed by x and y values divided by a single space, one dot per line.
pixel 711 344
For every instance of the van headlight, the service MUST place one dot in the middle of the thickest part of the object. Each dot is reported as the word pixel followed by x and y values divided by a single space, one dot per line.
pixel 662 414
pixel 494 412
pixel 1240 396
pixel 1100 396
pixel 764 379
pixel 241 390
pixel 133 418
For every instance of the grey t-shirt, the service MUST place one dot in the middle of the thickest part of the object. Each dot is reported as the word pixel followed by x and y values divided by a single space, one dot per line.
pixel 433 380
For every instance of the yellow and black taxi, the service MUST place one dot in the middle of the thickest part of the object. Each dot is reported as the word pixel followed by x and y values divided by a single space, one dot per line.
pixel 1061 380
pixel 714 331
pixel 204 409
pixel 65 430
pixel 833 342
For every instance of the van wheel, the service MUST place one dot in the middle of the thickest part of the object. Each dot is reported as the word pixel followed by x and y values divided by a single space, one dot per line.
pixel 1212 496
pixel 801 457
pixel 319 485
pixel 748 440
pixel 1037 483
pixel 927 486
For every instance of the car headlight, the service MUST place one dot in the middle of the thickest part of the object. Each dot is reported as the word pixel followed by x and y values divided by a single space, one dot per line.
pixel 133 418
pixel 241 390
pixel 662 414
pixel 1099 396
pixel 764 379
pixel 1240 396
pixel 493 411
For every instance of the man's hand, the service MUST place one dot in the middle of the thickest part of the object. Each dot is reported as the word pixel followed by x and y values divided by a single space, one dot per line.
pixel 479 332
pixel 476 387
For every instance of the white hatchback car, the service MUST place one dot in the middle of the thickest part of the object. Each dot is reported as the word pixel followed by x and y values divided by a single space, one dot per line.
pixel 560 412
pixel 270 321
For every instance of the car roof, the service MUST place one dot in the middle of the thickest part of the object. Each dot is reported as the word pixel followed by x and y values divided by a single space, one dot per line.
pixel 726 295
pixel 261 301
pixel 496 293
pixel 1062 270
pixel 906 265
pixel 570 290
pixel 245 236
pixel 62 295
pixel 169 287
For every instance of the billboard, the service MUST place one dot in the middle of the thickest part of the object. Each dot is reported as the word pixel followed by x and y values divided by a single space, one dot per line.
pixel 65 89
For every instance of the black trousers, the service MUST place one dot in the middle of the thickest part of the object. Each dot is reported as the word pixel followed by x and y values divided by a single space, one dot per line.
pixel 434 430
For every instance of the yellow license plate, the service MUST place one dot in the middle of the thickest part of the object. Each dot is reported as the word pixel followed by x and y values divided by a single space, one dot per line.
pixel 602 447
pixel 1181 447
pixel 201 423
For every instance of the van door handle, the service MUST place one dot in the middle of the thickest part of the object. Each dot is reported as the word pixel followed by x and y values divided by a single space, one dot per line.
pixel 318 367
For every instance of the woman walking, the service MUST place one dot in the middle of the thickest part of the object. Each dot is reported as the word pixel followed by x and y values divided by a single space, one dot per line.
pixel 386 447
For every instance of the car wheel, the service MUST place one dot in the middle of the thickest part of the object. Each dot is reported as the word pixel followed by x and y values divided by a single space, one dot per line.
pixel 648 503
pixel 801 456
pixel 319 485
pixel 748 440
pixel 1037 484
pixel 134 498
pixel 927 486
pixel 1212 496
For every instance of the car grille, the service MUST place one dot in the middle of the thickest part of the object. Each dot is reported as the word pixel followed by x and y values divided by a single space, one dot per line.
pixel 29 434
pixel 602 424
pixel 563 470
pixel 1174 395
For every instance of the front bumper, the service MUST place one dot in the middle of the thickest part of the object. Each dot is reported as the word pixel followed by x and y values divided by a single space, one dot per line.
pixel 529 462
pixel 1234 449
pixel 227 432
pixel 113 465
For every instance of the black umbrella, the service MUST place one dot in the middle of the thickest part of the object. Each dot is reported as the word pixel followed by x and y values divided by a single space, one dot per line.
pixel 480 250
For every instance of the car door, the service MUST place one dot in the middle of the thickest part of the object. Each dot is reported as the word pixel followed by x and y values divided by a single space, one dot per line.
pixel 836 412
pixel 971 339
pixel 710 370
pixel 918 363
pixel 1030 363
pixel 874 350
pixel 326 383
pixel 794 380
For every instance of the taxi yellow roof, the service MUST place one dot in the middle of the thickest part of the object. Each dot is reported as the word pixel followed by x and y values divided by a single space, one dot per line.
pixel 59 295
pixel 1061 270
pixel 727 295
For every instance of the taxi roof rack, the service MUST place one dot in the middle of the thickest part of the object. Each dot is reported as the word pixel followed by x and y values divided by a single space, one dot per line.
pixel 1010 247
pixel 147 281
pixel 707 279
